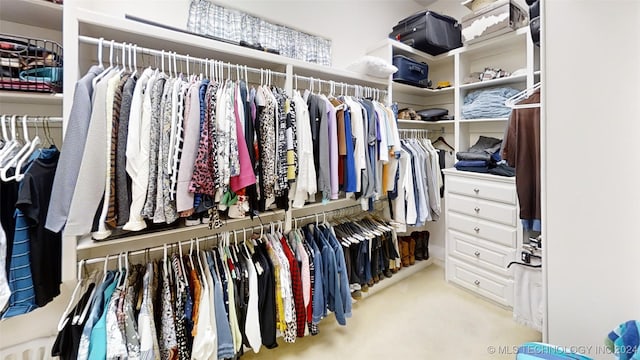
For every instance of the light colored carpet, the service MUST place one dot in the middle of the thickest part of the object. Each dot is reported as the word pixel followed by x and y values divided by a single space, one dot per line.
pixel 420 317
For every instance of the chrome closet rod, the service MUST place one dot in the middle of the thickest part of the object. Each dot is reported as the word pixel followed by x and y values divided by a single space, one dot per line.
pixel 112 257
pixel 336 83
pixel 34 118
pixel 186 58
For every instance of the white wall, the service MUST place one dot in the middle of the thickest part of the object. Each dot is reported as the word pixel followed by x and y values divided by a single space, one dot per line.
pixel 354 26
pixel 593 192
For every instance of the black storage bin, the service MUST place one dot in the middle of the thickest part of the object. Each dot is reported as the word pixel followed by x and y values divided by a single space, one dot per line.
pixel 410 71
pixel 429 31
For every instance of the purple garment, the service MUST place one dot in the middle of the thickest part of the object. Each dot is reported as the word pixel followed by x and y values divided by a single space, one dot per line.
pixel 333 148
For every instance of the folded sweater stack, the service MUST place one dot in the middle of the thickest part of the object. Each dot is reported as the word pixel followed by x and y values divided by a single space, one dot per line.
pixel 484 157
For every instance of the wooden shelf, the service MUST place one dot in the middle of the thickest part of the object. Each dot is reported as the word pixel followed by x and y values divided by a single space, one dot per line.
pixel 38 13
pixel 414 90
pixel 495 82
pixel 24 97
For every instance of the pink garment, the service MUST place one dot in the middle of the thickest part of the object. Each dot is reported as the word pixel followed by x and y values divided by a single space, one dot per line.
pixel 247 176
pixel 305 272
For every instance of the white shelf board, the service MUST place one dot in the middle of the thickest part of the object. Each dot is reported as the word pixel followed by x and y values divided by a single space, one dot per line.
pixel 125 30
pixel 39 13
pixel 483 120
pixel 404 49
pixel 424 123
pixel 496 44
pixel 24 97
pixel 494 82
pixel 414 90
pixel 132 241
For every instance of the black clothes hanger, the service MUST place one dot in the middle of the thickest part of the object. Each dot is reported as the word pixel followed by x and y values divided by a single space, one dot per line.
pixel 523 264
pixel 442 140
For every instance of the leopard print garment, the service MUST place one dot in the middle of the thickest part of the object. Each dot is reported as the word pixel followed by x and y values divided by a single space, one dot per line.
pixel 202 180
pixel 268 147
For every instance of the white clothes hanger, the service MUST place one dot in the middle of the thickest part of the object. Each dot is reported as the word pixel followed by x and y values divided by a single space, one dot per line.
pixel 23 150
pixel 10 141
pixel 513 101
pixel 108 69
pixel 79 284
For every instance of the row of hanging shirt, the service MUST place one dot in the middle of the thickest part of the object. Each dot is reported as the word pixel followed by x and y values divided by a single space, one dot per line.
pixel 207 305
pixel 30 256
pixel 154 147
pixel 417 197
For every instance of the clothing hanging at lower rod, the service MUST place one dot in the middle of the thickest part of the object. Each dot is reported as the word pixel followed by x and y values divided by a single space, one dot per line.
pixel 273 284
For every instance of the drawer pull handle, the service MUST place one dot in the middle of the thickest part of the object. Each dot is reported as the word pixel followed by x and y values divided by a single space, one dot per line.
pixel 477 229
pixel 477 282
pixel 477 209
pixel 477 253
pixel 476 190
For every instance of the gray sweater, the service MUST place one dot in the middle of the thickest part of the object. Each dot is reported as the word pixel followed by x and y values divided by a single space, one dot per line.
pixel 75 138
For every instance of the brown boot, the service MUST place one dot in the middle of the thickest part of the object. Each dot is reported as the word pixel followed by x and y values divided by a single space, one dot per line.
pixel 404 251
pixel 412 251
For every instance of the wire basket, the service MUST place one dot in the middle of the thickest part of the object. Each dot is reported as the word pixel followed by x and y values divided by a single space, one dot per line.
pixel 28 64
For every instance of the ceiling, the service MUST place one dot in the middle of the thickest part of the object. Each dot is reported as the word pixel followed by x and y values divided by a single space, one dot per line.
pixel 425 2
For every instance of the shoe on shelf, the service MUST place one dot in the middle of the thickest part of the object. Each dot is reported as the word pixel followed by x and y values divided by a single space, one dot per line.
pixel 193 219
pixel 419 245
pixel 412 251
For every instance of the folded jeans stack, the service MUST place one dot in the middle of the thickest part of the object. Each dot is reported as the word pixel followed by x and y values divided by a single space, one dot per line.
pixel 484 157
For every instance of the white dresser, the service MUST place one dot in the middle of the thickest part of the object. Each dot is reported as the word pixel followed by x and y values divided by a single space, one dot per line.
pixel 483 232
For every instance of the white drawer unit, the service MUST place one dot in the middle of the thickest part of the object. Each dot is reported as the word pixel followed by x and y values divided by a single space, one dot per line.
pixel 480 253
pixel 485 283
pixel 482 233
pixel 503 213
pixel 482 188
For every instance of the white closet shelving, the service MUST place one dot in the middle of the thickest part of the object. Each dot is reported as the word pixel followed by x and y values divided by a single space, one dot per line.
pixel 510 52
pixel 80 56
pixel 33 19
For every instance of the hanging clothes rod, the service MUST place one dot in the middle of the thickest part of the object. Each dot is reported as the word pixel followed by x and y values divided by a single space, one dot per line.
pixel 240 231
pixel 35 119
pixel 172 55
pixel 414 132
pixel 312 80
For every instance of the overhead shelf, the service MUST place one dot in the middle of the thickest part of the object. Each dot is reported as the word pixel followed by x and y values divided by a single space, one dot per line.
pixel 38 13
pixel 98 25
pixel 495 82
pixel 24 97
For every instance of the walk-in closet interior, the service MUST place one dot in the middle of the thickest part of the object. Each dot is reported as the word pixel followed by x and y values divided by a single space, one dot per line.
pixel 216 179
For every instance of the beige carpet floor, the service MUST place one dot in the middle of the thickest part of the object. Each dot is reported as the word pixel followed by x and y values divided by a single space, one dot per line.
pixel 420 317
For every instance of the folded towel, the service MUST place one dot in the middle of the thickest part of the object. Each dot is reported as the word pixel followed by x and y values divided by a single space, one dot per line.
pixel 625 341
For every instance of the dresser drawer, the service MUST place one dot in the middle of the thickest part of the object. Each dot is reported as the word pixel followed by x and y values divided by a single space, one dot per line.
pixel 482 189
pixel 480 253
pixel 497 233
pixel 479 281
pixel 488 210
